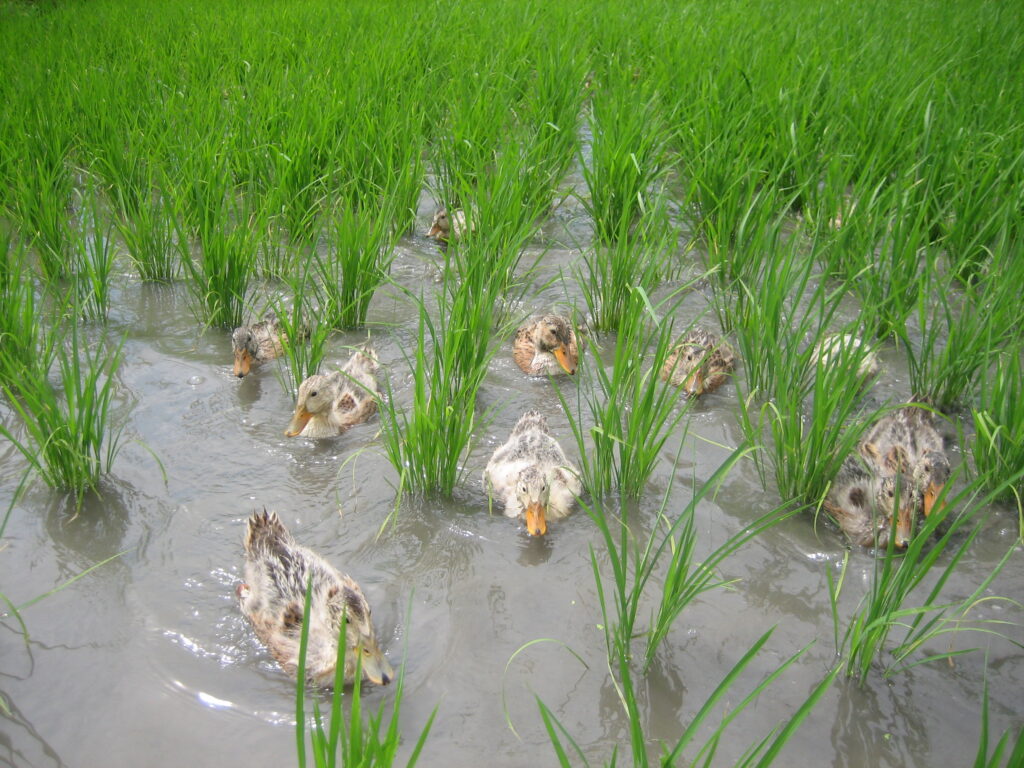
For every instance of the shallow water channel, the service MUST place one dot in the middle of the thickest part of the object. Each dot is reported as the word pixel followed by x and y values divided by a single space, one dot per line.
pixel 148 660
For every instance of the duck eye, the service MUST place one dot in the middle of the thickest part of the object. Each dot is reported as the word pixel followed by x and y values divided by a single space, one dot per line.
pixel 313 393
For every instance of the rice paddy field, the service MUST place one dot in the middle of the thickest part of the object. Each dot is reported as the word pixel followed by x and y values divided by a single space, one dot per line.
pixel 775 171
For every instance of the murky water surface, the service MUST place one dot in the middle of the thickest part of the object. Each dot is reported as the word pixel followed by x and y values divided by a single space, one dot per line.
pixel 148 661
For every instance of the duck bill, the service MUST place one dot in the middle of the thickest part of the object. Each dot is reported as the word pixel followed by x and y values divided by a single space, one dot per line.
pixel 904 522
pixel 536 525
pixel 376 667
pixel 931 493
pixel 434 231
pixel 694 384
pixel 562 356
pixel 243 363
pixel 298 423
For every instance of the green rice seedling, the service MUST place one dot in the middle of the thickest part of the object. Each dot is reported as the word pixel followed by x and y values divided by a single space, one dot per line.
pixel 610 272
pixel 998 446
pixel 69 437
pixel 960 326
pixel 898 576
pixel 93 256
pixel 983 759
pixel 356 262
pixel 148 233
pixel 427 441
pixel 632 410
pixel 346 735
pixel 626 163
pixel 219 274
pixel 20 329
pixel 304 334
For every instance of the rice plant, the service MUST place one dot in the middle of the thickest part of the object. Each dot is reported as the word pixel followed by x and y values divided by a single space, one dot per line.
pixel 304 334
pixel 356 262
pixel 69 436
pixel 21 331
pixel 427 441
pixel 93 256
pixel 998 446
pixel 345 735
pixel 960 327
pixel 632 411
pixel 148 231
pixel 626 161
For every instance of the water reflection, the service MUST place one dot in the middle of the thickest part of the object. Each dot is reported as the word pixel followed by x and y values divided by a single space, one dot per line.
pixel 21 745
pixel 534 550
pixel 876 725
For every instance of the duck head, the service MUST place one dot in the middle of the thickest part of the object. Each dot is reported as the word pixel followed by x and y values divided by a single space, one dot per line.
pixel 554 335
pixel 533 492
pixel 930 476
pixel 245 347
pixel 316 394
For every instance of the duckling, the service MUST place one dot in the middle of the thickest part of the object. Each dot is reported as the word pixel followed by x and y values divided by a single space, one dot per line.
pixel 256 343
pixel 699 363
pixel 863 503
pixel 277 571
pixel 329 404
pixel 444 227
pixel 833 346
pixel 906 441
pixel 532 475
pixel 548 345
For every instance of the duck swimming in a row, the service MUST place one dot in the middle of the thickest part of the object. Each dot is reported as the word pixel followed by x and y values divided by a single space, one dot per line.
pixel 547 346
pixel 273 596
pixel 445 227
pixel 870 507
pixel 700 362
pixel 329 404
pixel 532 475
pixel 255 344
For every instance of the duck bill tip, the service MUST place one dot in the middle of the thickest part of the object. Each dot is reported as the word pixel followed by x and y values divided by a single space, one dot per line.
pixel 536 525
pixel 564 360
pixel 298 423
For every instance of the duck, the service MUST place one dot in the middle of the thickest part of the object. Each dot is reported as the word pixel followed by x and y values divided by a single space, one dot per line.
pixel 330 404
pixel 862 501
pixel 546 346
pixel 906 440
pixel 833 348
pixel 532 475
pixel 700 362
pixel 445 228
pixel 255 344
pixel 273 596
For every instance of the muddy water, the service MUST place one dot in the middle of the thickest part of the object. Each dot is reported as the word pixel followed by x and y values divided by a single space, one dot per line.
pixel 148 661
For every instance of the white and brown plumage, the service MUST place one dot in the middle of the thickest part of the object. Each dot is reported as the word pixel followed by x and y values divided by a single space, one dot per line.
pixel 866 504
pixel 547 346
pixel 699 363
pixel 905 441
pixel 256 343
pixel 532 475
pixel 834 346
pixel 329 404
pixel 445 227
pixel 277 571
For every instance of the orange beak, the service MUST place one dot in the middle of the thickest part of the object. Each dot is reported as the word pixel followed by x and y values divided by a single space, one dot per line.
pixel 562 356
pixel 243 362
pixel 930 494
pixel 694 384
pixel 535 523
pixel 904 521
pixel 434 231
pixel 298 423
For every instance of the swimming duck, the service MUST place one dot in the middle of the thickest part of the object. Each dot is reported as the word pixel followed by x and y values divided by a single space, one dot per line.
pixel 835 345
pixel 329 404
pixel 256 343
pixel 862 501
pixel 532 475
pixel 699 363
pixel 906 441
pixel 545 346
pixel 444 227
pixel 277 571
